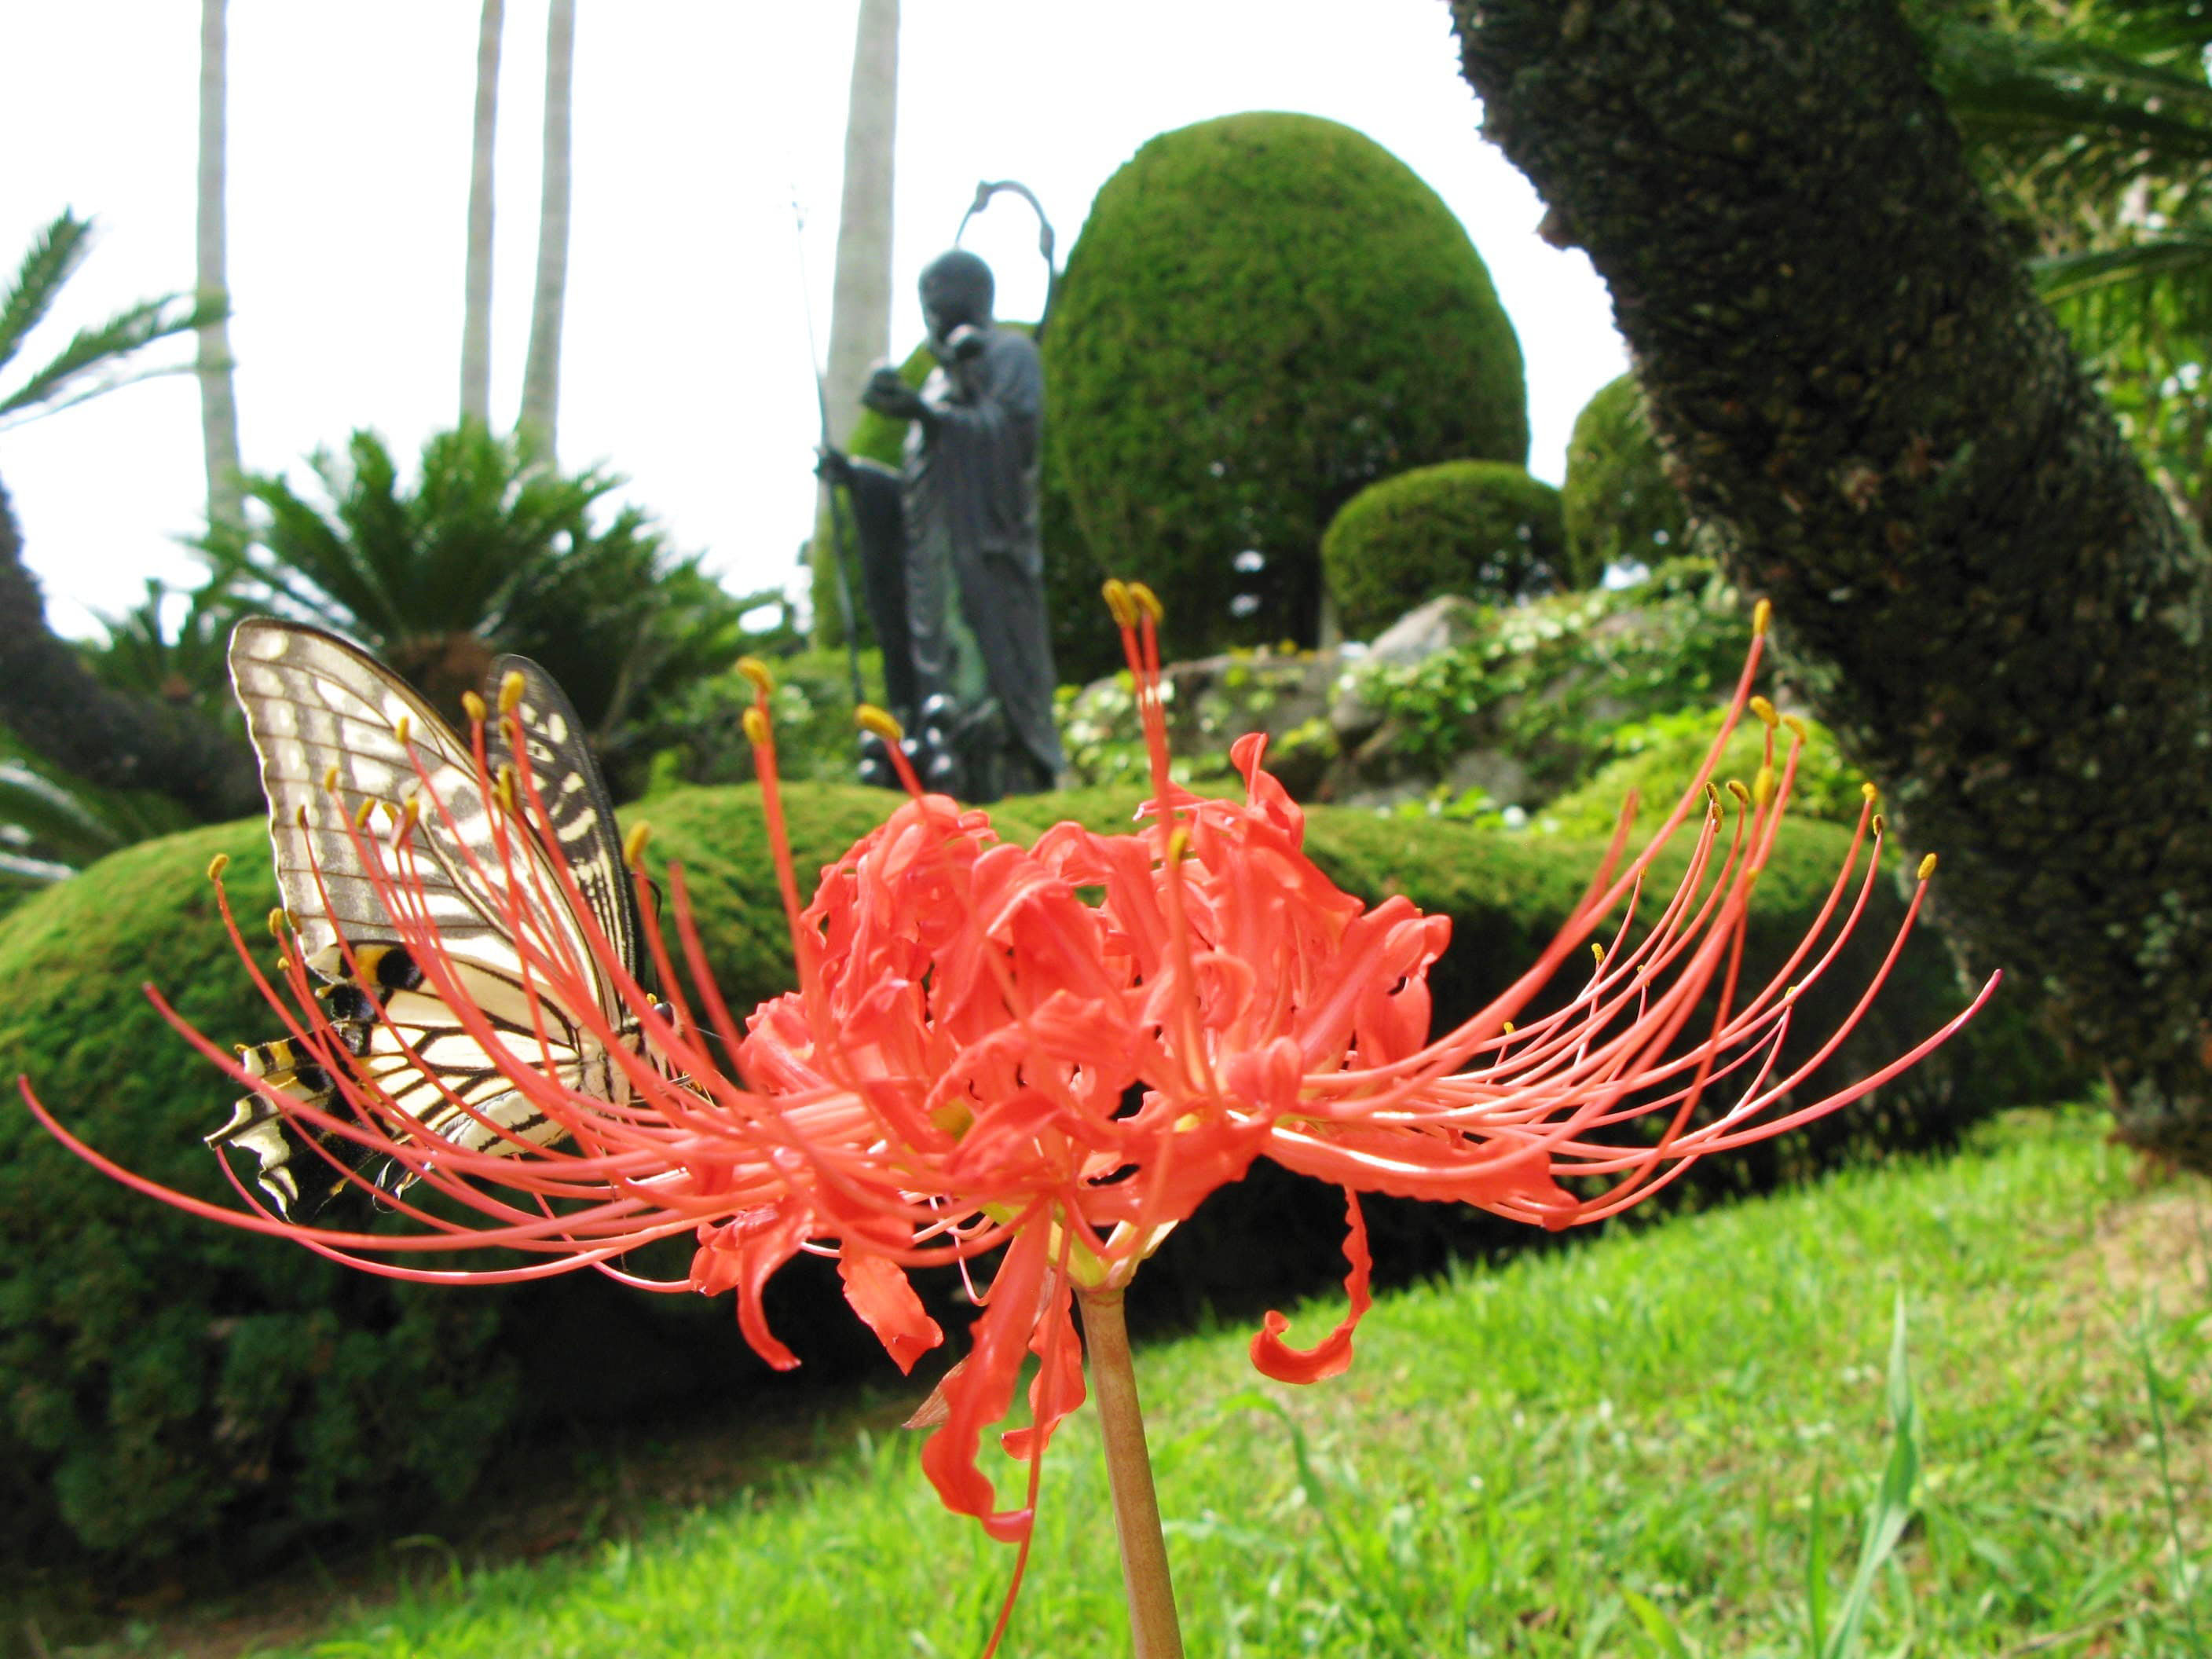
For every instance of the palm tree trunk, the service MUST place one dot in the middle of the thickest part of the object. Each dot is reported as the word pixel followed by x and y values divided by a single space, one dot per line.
pixel 1974 582
pixel 218 396
pixel 541 369
pixel 860 306
pixel 476 316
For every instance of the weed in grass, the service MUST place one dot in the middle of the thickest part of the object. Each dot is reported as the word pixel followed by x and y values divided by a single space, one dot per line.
pixel 2185 1576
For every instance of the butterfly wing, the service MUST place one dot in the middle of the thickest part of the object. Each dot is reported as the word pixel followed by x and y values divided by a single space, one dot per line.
pixel 579 810
pixel 323 713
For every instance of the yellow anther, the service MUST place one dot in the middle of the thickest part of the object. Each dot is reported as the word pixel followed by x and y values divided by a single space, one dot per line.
pixel 756 725
pixel 401 727
pixel 1796 728
pixel 1147 601
pixel 869 718
pixel 300 815
pixel 1765 710
pixel 1762 787
pixel 1117 602
pixel 284 964
pixel 217 865
pixel 1761 614
pixel 1743 795
pixel 756 671
pixel 1881 824
pixel 277 920
pixel 1507 1029
pixel 1597 953
pixel 331 778
pixel 410 814
pixel 510 691
pixel 473 707
pixel 1178 844
pixel 1927 868
pixel 1789 995
pixel 1868 793
pixel 361 813
pixel 1712 797
pixel 505 790
pixel 634 844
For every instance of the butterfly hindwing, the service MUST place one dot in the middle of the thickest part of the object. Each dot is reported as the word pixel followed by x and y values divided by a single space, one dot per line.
pixel 321 711
pixel 579 810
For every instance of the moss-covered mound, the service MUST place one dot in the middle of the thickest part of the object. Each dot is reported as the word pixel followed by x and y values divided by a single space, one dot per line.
pixel 1264 314
pixel 1483 530
pixel 1620 506
pixel 168 1383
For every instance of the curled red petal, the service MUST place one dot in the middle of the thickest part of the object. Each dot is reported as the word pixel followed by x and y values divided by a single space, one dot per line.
pixel 980 1390
pixel 741 1256
pixel 1057 1389
pixel 880 1293
pixel 1273 1356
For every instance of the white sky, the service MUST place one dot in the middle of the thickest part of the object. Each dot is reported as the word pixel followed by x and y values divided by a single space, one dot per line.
pixel 686 358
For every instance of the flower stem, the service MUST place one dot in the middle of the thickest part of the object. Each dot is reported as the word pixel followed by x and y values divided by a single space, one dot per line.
pixel 1153 1632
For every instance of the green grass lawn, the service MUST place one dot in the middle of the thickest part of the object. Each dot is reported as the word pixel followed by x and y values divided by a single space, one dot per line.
pixel 1520 1453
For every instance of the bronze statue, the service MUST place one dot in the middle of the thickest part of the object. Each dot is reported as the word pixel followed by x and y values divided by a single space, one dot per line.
pixel 951 563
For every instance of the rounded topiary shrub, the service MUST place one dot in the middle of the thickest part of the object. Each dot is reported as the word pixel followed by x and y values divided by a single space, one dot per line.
pixel 1264 314
pixel 1620 506
pixel 1483 530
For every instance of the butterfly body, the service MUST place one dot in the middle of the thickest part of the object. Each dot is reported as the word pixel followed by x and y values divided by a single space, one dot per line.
pixel 355 763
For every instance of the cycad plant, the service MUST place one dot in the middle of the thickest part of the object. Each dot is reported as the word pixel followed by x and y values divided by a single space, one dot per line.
pixel 2092 122
pixel 488 551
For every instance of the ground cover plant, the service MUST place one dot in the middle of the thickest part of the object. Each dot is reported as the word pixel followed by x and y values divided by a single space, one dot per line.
pixel 1524 1451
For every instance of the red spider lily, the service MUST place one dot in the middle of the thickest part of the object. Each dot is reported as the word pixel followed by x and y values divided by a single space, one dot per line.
pixel 1061 1049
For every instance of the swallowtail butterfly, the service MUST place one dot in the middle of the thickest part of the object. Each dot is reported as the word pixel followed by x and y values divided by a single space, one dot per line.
pixel 321 711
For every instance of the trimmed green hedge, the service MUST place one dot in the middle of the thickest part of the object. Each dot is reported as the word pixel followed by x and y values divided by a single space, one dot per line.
pixel 1264 314
pixel 1620 505
pixel 1483 530
pixel 169 1384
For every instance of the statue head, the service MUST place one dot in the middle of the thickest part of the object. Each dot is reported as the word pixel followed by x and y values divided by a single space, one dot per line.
pixel 956 288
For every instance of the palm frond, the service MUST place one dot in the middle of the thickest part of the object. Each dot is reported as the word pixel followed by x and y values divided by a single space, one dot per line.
pixel 92 363
pixel 52 257
pixel 46 816
pixel 2090 108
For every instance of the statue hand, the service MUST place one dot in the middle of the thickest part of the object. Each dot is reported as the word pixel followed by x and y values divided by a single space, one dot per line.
pixel 834 467
pixel 887 394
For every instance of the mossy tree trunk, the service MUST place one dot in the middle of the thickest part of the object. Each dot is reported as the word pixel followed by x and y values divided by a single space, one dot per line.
pixel 1974 583
pixel 50 701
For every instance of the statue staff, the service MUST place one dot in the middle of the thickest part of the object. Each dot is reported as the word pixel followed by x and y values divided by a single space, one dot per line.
pixel 838 545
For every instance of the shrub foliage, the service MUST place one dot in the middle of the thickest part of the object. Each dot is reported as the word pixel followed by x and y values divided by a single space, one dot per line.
pixel 1264 314
pixel 1620 505
pixel 1483 530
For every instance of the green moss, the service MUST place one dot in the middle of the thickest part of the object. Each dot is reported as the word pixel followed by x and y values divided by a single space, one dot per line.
pixel 1264 314
pixel 1483 530
pixel 1620 505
